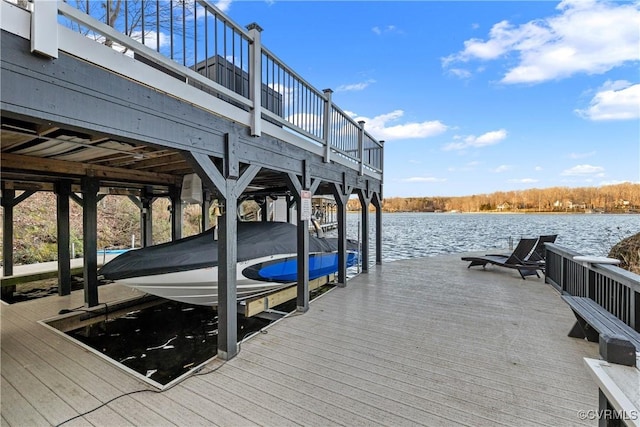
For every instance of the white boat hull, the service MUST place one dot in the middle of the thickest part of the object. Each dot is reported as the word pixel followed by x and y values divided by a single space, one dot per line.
pixel 200 286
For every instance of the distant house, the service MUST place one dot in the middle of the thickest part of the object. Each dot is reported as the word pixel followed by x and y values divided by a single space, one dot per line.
pixel 504 206
pixel 557 204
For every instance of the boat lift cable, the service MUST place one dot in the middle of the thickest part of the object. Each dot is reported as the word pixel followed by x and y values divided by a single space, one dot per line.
pixel 196 373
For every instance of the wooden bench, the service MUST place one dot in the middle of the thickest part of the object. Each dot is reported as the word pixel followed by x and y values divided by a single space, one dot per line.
pixel 594 320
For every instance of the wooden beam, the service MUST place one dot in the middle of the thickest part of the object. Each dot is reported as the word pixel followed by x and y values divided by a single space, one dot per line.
pixel 259 304
pixel 27 186
pixel 51 166
pixel 75 319
pixel 19 279
pixel 156 161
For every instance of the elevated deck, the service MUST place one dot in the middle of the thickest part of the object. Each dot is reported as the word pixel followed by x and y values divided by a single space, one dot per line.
pixel 415 342
pixel 142 100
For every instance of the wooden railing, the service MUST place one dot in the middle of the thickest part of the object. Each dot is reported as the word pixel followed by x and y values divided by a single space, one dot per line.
pixel 196 43
pixel 615 289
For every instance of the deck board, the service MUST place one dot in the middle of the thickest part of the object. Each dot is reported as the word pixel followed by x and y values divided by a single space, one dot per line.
pixel 414 342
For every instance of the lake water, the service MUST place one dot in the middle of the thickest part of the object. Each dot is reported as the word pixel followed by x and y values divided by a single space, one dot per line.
pixel 414 235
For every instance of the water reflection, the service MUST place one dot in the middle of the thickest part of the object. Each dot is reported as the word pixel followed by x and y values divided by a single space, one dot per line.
pixel 162 342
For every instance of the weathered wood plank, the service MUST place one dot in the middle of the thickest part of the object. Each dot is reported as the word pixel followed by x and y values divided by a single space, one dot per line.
pixel 39 396
pixel 272 383
pixel 251 402
pixel 16 410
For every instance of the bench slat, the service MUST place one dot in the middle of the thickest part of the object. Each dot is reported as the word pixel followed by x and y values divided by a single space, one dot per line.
pixel 600 319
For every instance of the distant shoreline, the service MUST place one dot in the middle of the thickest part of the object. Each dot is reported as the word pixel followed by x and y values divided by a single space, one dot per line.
pixel 504 213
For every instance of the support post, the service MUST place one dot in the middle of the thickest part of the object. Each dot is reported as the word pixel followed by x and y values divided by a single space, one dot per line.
pixel 361 147
pixel 326 125
pixel 264 211
pixel 341 194
pixel 378 204
pixel 206 208
pixel 227 275
pixel 291 202
pixel 90 187
pixel 365 200
pixel 8 202
pixel 297 186
pixel 255 78
pixel 146 218
pixel 63 191
pixel 176 212
pixel 230 183
pixel 44 28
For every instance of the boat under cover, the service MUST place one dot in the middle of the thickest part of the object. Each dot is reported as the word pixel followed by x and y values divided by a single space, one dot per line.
pixel 186 270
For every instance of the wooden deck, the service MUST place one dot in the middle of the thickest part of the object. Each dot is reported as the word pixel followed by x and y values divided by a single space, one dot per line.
pixel 416 342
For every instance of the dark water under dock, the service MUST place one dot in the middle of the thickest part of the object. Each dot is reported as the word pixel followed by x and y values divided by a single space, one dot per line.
pixel 165 341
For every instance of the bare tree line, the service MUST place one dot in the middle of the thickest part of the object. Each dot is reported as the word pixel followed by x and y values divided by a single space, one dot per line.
pixel 620 198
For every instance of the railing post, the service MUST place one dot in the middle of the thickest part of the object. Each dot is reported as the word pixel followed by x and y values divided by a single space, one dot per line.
pixel 44 28
pixel 361 147
pixel 590 286
pixel 326 125
pixel 381 168
pixel 635 310
pixel 255 83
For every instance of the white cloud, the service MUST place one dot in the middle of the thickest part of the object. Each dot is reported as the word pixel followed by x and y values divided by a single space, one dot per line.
pixel 381 127
pixel 523 181
pixel 583 170
pixel 460 73
pixel 586 36
pixel 618 100
pixel 472 141
pixel 151 39
pixel 581 155
pixel 388 29
pixel 502 168
pixel 537 168
pixel 423 179
pixel 354 86
pixel 223 5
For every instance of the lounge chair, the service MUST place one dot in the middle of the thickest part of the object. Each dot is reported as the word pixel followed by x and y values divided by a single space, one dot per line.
pixel 537 256
pixel 538 253
pixel 517 260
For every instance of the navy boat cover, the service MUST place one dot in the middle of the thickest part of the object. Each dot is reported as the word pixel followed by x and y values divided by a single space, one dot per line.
pixel 255 240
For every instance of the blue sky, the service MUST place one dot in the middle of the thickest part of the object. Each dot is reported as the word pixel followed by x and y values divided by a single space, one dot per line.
pixel 474 97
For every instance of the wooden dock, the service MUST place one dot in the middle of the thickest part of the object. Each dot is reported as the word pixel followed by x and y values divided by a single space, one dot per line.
pixel 416 342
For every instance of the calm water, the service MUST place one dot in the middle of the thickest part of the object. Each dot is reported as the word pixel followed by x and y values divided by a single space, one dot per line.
pixel 413 235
